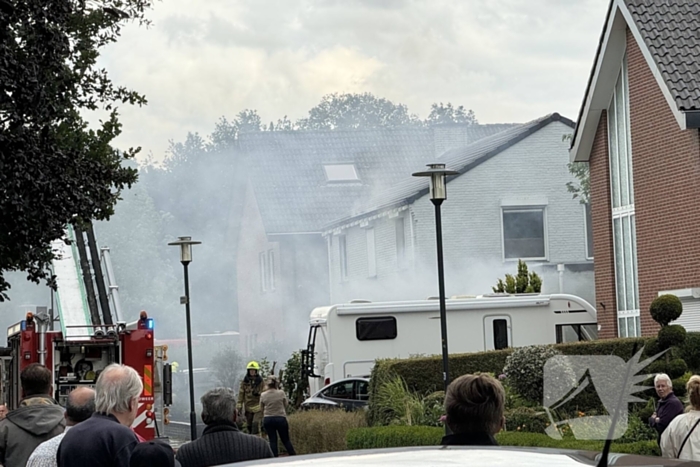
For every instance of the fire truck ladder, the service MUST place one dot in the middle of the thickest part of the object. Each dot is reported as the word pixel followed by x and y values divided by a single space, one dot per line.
pixel 78 272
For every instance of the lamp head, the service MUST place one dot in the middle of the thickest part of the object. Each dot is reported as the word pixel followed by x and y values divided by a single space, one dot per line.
pixel 437 174
pixel 185 244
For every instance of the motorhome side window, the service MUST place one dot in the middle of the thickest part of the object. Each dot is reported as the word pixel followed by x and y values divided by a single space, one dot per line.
pixel 379 328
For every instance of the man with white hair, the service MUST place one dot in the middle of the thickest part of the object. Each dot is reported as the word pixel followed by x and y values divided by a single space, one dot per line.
pixel 668 407
pixel 105 439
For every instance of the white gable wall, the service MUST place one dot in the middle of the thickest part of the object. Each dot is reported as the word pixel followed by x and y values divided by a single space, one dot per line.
pixel 532 171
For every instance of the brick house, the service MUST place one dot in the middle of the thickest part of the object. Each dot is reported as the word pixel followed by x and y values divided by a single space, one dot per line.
pixel 299 181
pixel 502 207
pixel 638 130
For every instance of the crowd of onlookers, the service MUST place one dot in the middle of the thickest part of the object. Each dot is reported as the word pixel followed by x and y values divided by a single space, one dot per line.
pixel 95 427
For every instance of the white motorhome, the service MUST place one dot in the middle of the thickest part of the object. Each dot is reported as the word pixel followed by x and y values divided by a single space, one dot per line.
pixel 345 340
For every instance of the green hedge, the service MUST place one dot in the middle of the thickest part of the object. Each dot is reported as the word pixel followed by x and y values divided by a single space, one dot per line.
pixel 401 436
pixel 424 375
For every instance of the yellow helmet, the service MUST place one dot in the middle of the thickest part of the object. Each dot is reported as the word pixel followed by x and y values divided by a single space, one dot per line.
pixel 253 366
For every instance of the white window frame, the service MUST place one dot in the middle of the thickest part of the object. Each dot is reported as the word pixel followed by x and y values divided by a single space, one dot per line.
pixel 262 262
pixel 271 269
pixel 343 257
pixel 371 253
pixel 508 209
pixel 624 242
pixel 589 256
pixel 401 253
pixel 347 165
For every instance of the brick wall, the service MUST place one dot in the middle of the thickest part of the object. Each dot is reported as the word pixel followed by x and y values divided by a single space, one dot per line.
pixel 602 232
pixel 666 171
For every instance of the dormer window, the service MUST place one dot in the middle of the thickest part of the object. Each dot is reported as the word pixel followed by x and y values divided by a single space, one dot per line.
pixel 341 173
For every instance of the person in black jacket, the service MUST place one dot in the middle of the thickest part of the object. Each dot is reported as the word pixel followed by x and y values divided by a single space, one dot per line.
pixel 475 406
pixel 105 439
pixel 221 441
pixel 669 407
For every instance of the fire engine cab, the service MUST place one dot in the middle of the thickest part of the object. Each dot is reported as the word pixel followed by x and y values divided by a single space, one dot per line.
pixel 89 338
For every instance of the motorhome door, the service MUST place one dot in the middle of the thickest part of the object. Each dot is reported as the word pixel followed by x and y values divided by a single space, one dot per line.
pixel 497 332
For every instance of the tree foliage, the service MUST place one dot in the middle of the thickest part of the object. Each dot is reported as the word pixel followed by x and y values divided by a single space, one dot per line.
pixel 581 189
pixel 356 111
pixel 294 383
pixel 447 113
pixel 523 282
pixel 55 168
pixel 228 367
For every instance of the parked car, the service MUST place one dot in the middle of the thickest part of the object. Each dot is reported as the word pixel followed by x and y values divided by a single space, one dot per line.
pixel 349 393
pixel 493 456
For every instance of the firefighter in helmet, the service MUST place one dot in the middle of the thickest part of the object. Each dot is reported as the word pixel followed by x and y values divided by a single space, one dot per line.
pixel 249 397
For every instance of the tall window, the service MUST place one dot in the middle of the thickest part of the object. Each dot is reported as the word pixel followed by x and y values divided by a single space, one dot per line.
pixel 589 230
pixel 271 269
pixel 371 254
pixel 343 251
pixel 524 233
pixel 263 271
pixel 400 243
pixel 622 190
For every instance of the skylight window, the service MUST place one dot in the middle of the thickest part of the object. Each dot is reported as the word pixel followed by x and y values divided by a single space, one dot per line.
pixel 340 172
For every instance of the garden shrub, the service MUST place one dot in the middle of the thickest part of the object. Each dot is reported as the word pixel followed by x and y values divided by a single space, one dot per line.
pixel 689 351
pixel 396 404
pixel 666 308
pixel 423 375
pixel 315 431
pixel 526 419
pixel 524 370
pixel 394 437
pixel 401 436
pixel 670 336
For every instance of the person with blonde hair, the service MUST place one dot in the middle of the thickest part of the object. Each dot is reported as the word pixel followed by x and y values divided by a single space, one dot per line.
pixel 681 440
pixel 273 403
pixel 474 407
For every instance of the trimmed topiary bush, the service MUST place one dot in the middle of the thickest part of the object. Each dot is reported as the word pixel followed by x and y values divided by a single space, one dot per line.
pixel 666 308
pixel 689 351
pixel 670 336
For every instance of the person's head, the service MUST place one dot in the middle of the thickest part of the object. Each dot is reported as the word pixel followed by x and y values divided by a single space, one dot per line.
pixel 663 385
pixel 693 387
pixel 475 404
pixel 218 405
pixel 117 392
pixel 36 380
pixel 80 405
pixel 273 382
pixel 153 454
pixel 3 411
pixel 253 368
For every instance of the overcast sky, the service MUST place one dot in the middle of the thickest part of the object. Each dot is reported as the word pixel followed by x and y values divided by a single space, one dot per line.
pixel 508 60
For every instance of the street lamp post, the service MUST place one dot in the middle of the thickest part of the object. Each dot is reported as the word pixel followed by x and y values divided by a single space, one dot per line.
pixel 185 244
pixel 438 194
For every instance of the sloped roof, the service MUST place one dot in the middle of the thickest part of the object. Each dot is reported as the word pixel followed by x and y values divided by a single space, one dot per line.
pixel 286 169
pixel 671 31
pixel 667 32
pixel 460 159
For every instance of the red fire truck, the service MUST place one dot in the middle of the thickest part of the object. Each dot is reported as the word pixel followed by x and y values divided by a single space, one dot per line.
pixel 88 339
pixel 78 361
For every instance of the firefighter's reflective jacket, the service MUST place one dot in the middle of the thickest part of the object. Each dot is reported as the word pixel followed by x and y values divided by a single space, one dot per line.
pixel 249 393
